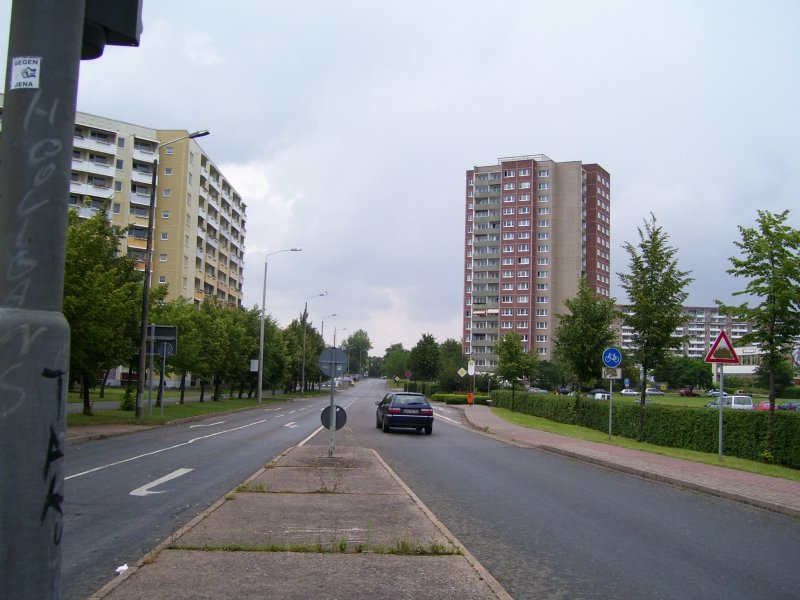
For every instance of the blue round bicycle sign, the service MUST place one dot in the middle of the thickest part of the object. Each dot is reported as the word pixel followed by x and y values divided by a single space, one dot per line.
pixel 612 357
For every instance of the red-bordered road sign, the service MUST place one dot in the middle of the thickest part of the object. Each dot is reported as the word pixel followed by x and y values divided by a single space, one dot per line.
pixel 722 351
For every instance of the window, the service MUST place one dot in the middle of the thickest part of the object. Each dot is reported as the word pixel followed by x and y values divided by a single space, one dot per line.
pixel 542 260
pixel 164 235
pixel 522 312
pixel 523 299
pixel 165 214
pixel 508 273
pixel 544 198
pixel 507 312
pixel 117 186
pixel 541 324
pixel 509 235
pixel 524 172
pixel 162 258
pixel 120 142
pixel 524 222
pixel 120 164
pixel 162 279
pixel 506 325
pixel 524 185
pixel 523 273
pixel 508 186
pixel 508 223
pixel 543 248
pixel 508 287
pixel 523 286
pixel 522 325
pixel 543 185
pixel 524 235
pixel 541 338
pixel 169 150
pixel 542 274
pixel 543 210
pixel 524 210
pixel 167 193
pixel 524 197
pixel 523 248
pixel 168 171
pixel 507 299
pixel 544 172
pixel 508 210
pixel 544 223
pixel 524 261
pixel 508 261
pixel 508 248
pixel 117 208
pixel 541 312
pixel 508 198
pixel 542 287
pixel 542 300
pixel 508 173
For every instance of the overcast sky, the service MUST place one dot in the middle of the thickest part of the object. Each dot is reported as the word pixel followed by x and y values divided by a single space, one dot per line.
pixel 347 127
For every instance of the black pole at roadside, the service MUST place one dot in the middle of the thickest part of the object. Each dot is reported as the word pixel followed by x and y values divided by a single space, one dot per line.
pixel 41 86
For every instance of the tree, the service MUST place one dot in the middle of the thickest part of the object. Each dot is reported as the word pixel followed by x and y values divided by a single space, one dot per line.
pixel 771 262
pixel 682 371
pixel 102 298
pixel 451 359
pixel 782 376
pixel 582 335
pixel 182 313
pixel 395 361
pixel 356 346
pixel 656 293
pixel 423 361
pixel 513 363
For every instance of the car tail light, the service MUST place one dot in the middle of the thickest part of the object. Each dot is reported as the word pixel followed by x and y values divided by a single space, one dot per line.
pixel 394 411
pixel 426 411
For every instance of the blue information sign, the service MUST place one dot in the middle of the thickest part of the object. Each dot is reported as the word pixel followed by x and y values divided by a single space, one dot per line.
pixel 612 357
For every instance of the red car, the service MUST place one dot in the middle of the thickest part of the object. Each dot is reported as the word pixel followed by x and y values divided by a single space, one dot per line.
pixel 764 405
pixel 687 392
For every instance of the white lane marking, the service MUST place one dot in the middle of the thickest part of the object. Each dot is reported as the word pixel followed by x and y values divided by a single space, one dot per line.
pixel 441 416
pixel 154 452
pixel 291 424
pixel 145 490
pixel 278 416
pixel 303 443
pixel 206 424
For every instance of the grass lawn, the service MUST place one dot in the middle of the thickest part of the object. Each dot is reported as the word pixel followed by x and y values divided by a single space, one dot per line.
pixel 584 433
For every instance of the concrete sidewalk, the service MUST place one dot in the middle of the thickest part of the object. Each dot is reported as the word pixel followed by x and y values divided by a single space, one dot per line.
pixel 771 493
pixel 309 526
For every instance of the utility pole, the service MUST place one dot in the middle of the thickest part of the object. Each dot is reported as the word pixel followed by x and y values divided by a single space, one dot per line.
pixel 45 48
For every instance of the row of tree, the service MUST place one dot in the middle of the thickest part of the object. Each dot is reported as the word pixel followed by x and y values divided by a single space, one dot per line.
pixel 216 342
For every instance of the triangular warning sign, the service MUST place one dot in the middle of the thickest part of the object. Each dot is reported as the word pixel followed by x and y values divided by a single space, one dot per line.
pixel 722 351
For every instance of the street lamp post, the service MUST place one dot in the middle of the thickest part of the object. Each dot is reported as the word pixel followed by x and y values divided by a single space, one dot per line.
pixel 148 259
pixel 263 314
pixel 305 327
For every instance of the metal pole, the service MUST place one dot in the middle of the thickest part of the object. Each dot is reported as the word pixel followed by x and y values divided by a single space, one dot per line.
pixel 721 394
pixel 163 372
pixel 610 405
pixel 150 379
pixel 303 368
pixel 332 416
pixel 35 160
pixel 261 332
pixel 148 257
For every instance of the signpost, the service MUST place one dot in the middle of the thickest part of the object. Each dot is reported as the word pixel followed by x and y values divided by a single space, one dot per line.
pixel 331 362
pixel 612 359
pixel 721 353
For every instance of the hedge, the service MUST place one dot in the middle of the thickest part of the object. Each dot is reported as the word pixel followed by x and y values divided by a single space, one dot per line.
pixel 744 431
pixel 459 398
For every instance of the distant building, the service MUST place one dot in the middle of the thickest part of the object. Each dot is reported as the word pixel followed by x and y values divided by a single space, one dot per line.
pixel 701 328
pixel 533 228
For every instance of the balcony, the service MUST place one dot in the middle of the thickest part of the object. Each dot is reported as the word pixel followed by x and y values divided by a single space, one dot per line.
pixel 87 143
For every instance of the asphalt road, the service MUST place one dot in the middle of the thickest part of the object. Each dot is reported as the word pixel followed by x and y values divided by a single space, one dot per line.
pixel 115 512
pixel 545 526
pixel 550 527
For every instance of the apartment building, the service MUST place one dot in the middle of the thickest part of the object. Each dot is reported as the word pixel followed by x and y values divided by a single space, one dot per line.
pixel 700 329
pixel 199 220
pixel 533 228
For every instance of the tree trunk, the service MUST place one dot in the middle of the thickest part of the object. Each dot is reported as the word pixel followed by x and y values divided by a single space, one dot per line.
pixel 513 389
pixel 217 384
pixel 87 405
pixel 771 421
pixel 183 386
pixel 202 389
pixel 103 383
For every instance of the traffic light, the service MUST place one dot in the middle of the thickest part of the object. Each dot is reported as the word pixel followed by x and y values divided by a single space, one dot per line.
pixel 115 22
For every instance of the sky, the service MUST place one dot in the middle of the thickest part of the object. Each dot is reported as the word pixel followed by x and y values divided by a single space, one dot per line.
pixel 347 127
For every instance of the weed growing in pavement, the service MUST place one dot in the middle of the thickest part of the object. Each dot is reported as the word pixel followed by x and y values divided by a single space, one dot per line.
pixel 343 545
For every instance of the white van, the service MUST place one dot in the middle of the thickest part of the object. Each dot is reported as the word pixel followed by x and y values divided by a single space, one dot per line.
pixel 737 402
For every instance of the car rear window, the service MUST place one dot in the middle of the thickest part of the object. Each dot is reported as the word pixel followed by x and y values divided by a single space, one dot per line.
pixel 410 400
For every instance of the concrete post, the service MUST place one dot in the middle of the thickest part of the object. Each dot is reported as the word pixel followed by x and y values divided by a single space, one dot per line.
pixel 35 160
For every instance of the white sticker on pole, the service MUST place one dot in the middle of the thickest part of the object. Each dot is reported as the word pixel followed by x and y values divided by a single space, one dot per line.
pixel 25 72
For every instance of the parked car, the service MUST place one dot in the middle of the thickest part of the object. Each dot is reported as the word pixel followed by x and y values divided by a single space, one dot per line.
pixel 599 394
pixel 536 390
pixel 712 393
pixel 687 392
pixel 789 406
pixel 629 392
pixel 404 409
pixel 653 392
pixel 763 405
pixel 735 402
pixel 564 389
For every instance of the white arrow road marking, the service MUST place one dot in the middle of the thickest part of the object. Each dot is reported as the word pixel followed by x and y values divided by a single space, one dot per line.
pixel 291 424
pixel 206 424
pixel 160 450
pixel 145 489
